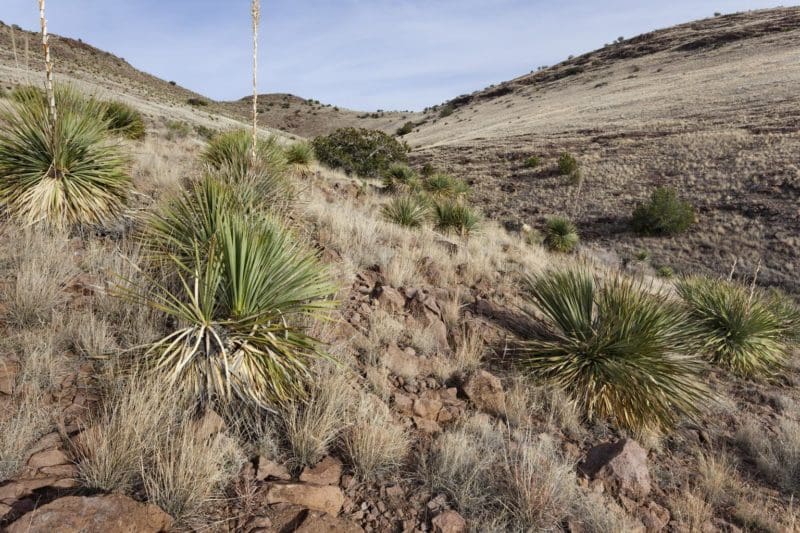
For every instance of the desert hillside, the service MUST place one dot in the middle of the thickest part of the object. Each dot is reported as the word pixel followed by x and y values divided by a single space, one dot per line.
pixel 711 108
pixel 209 328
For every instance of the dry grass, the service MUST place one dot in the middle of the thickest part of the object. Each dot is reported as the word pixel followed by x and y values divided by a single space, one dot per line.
pixel 717 479
pixel 467 357
pixel 19 429
pixel 90 336
pixel 776 456
pixel 374 443
pixel 311 427
pixel 528 404
pixel 691 509
pixel 41 266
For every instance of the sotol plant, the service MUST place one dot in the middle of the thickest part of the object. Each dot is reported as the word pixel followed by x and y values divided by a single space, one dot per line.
pixel 60 169
pixel 409 211
pixel 561 235
pixel 300 155
pixel 737 328
pixel 616 348
pixel 456 217
pixel 237 311
pixel 124 120
pixel 400 177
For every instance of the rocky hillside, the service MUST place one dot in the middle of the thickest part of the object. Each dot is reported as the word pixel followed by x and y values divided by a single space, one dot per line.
pixel 710 108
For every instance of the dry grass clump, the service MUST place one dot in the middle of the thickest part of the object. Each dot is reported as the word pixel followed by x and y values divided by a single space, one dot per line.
pixel 691 510
pixel 375 444
pixel 776 455
pixel 717 479
pixel 41 267
pixel 312 426
pixel 528 404
pixel 20 427
pixel 491 479
pixel 90 336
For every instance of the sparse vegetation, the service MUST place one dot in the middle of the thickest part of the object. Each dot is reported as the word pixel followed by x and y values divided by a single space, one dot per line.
pixel 405 129
pixel 736 328
pixel 664 214
pixel 400 177
pixel 374 443
pixel 300 155
pixel 776 456
pixel 367 153
pixel 561 235
pixel 532 162
pixel 619 350
pixel 445 186
pixel 567 164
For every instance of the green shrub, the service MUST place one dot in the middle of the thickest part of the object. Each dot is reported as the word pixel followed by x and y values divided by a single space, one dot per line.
pixel 205 132
pixel 24 93
pixel 300 154
pixel 532 162
pixel 456 217
pixel 124 120
pixel 445 186
pixel 664 214
pixel 616 348
pixel 405 129
pixel 427 170
pixel 238 311
pixel 737 328
pixel 60 174
pixel 567 164
pixel 446 111
pixel 365 152
pixel 196 102
pixel 409 211
pixel 665 271
pixel 400 177
pixel 561 235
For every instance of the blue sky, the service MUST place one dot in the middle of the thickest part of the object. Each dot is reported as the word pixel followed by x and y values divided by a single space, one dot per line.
pixel 361 54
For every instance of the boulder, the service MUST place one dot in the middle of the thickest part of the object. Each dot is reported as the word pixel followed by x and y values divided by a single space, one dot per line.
pixel 621 465
pixel 21 488
pixel 48 458
pixel 427 408
pixel 208 425
pixel 400 363
pixel 449 522
pixel 389 298
pixel 94 514
pixel 326 472
pixel 325 498
pixel 654 517
pixel 486 392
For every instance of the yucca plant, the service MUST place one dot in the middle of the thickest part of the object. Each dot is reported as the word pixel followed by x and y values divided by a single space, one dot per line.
pixel 561 235
pixel 618 349
pixel 124 120
pixel 233 150
pixel 300 155
pixel 238 311
pixel 445 186
pixel 409 211
pixel 737 327
pixel 60 172
pixel 400 177
pixel 456 217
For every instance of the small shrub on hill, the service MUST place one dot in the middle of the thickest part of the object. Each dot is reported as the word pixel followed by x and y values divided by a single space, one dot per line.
pixel 445 186
pixel 567 164
pixel 300 154
pixel 664 214
pixel 365 152
pixel 616 348
pixel 400 177
pixel 405 129
pixel 532 162
pixel 561 235
pixel 196 102
pixel 446 111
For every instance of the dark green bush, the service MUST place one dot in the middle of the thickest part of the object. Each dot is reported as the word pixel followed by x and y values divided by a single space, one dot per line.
pixel 368 153
pixel 532 162
pixel 567 164
pixel 197 102
pixel 446 111
pixel 405 129
pixel 665 214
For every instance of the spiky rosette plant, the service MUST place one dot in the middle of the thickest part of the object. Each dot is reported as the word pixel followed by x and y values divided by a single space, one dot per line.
pixel 401 177
pixel 60 172
pixel 238 312
pixel 445 186
pixel 738 328
pixel 620 351
pixel 561 235
pixel 234 150
pixel 456 217
pixel 124 120
pixel 409 211
pixel 300 155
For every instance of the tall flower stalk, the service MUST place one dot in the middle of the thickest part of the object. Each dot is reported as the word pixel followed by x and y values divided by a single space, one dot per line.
pixel 255 11
pixel 48 64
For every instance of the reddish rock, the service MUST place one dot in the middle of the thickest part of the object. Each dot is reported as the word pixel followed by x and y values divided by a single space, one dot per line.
pixel 94 514
pixel 325 523
pixel 389 299
pixel 486 392
pixel 621 465
pixel 24 487
pixel 208 425
pixel 654 517
pixel 268 469
pixel 400 363
pixel 403 403
pixel 427 408
pixel 326 472
pixel 8 375
pixel 426 426
pixel 325 498
pixel 449 522
pixel 47 458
